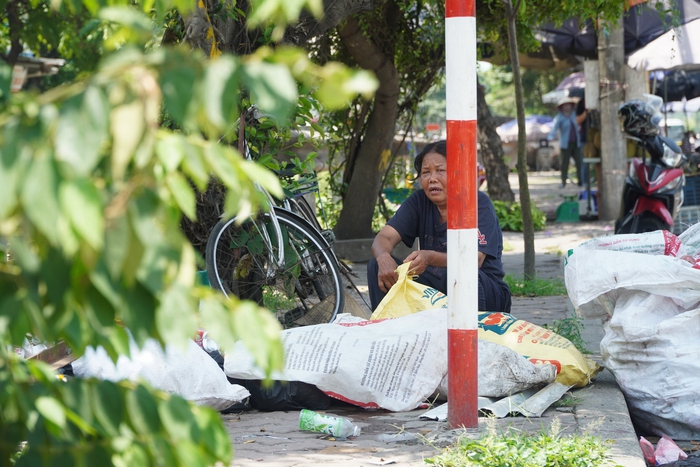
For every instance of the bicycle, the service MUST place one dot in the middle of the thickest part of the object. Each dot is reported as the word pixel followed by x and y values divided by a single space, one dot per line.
pixel 279 260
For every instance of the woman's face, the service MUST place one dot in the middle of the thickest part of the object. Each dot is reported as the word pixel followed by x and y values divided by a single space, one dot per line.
pixel 433 178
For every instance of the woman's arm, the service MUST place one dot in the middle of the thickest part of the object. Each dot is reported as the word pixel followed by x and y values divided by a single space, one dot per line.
pixel 424 258
pixel 421 259
pixel 382 247
pixel 555 128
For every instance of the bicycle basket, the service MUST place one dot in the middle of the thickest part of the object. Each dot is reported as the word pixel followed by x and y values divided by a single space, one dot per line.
pixel 300 184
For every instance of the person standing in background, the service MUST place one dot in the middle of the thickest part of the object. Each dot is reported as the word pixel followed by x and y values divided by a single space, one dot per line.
pixel 569 139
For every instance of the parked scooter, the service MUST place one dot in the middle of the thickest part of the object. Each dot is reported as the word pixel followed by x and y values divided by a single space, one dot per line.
pixel 653 191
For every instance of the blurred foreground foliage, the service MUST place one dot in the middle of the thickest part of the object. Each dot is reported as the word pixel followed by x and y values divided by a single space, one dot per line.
pixel 92 192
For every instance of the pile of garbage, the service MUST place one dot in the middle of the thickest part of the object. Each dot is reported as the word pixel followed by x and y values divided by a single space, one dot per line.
pixel 648 286
pixel 395 361
pixel 396 364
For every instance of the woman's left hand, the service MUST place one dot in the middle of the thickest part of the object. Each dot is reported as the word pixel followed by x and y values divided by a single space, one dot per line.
pixel 419 261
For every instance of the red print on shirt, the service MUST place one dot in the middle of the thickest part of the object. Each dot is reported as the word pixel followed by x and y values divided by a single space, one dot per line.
pixel 482 238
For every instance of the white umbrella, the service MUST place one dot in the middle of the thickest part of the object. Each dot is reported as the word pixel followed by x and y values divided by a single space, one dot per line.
pixel 571 86
pixel 676 49
pixel 693 105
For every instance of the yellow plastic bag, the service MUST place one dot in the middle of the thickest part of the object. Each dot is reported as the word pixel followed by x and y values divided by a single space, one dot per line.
pixel 539 345
pixel 407 297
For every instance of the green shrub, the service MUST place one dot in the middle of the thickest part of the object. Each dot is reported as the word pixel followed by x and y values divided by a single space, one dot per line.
pixel 544 449
pixel 510 216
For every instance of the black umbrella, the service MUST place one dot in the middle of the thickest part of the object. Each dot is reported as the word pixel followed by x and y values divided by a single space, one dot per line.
pixel 571 38
pixel 643 24
pixel 675 85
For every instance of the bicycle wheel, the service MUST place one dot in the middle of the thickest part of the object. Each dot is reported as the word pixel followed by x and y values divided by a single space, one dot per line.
pixel 306 289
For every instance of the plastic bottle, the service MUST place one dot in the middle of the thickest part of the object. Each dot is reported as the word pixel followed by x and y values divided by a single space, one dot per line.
pixel 338 427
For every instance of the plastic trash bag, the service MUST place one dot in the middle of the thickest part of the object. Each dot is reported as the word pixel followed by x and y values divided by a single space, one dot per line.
pixel 540 345
pixel 408 296
pixel 396 364
pixel 651 344
pixel 284 395
pixel 193 374
pixel 503 372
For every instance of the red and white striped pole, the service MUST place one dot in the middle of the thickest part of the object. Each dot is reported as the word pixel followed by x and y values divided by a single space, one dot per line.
pixel 462 268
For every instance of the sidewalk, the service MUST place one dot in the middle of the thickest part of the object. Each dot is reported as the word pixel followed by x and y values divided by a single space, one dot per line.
pixel 273 439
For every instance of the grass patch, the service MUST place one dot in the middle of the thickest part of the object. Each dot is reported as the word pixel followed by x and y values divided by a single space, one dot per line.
pixel 571 329
pixel 542 449
pixel 569 400
pixel 534 288
pixel 507 247
pixel 554 249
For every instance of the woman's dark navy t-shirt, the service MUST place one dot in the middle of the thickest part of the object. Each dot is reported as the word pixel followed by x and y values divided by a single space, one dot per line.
pixel 418 217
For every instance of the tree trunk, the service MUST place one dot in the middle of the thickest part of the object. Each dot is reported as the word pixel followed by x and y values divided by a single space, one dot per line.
pixel 611 60
pixel 528 224
pixel 15 25
pixel 355 219
pixel 492 151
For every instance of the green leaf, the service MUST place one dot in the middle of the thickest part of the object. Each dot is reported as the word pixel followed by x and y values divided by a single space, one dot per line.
pixel 177 418
pixel 176 85
pixel 194 165
pixel 10 173
pixel 189 454
pixel 183 194
pixel 52 410
pixel 82 130
pixel 97 455
pixel 107 406
pixel 134 455
pixel 223 164
pixel 133 260
pixel 143 411
pixel 40 196
pixel 116 248
pixel 213 435
pixel 127 123
pixel 100 312
pixel 138 313
pixel 80 202
pixel 53 273
pixel 143 214
pixel 263 176
pixel 244 320
pixel 119 340
pixel 221 91
pixel 340 85
pixel 169 150
pixel 25 256
pixel 175 318
pixel 79 412
pixel 165 452
pixel 101 279
pixel 129 17
pixel 5 80
pixel 263 343
pixel 272 88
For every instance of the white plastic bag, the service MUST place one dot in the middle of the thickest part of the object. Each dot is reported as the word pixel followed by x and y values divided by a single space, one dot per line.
pixel 503 372
pixel 659 242
pixel 594 277
pixel 193 375
pixel 393 364
pixel 652 340
pixel 652 345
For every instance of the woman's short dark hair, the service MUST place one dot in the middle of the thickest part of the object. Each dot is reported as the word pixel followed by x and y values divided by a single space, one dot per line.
pixel 439 147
